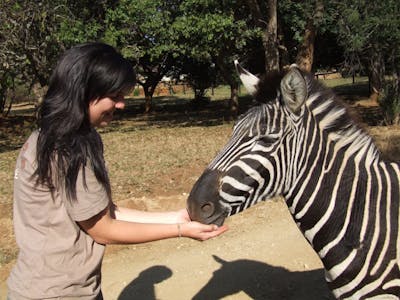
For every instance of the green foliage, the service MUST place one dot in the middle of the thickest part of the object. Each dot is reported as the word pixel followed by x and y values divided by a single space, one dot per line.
pixel 210 28
pixel 82 21
pixel 143 32
pixel 27 33
pixel 390 103
pixel 162 37
pixel 293 17
pixel 364 25
pixel 141 28
pixel 73 31
pixel 28 46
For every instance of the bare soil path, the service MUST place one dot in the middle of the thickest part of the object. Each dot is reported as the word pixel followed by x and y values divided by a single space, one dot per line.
pixel 262 256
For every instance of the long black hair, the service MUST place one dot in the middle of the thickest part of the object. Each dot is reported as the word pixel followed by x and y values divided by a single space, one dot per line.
pixel 67 142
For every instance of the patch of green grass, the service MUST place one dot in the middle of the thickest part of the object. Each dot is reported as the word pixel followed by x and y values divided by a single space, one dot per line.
pixel 347 89
pixel 345 81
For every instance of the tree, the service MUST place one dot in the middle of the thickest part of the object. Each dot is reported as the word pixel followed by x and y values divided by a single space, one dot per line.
pixel 143 31
pixel 308 29
pixel 34 33
pixel 214 33
pixel 287 24
pixel 28 46
pixel 83 21
pixel 370 34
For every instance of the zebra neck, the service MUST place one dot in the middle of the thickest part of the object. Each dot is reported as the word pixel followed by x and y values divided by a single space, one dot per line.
pixel 345 205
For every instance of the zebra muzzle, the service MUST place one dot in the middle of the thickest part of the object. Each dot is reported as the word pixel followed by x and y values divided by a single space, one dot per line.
pixel 204 202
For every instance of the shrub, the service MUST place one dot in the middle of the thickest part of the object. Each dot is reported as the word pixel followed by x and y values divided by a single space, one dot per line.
pixel 390 103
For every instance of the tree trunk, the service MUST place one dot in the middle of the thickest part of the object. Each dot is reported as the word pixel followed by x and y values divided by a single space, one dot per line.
pixel 234 100
pixel 148 103
pixel 376 74
pixel 228 77
pixel 271 39
pixel 149 87
pixel 3 98
pixel 39 91
pixel 148 96
pixel 284 59
pixel 7 91
pixel 305 56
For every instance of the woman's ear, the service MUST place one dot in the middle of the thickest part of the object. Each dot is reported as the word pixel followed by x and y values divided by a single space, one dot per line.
pixel 294 89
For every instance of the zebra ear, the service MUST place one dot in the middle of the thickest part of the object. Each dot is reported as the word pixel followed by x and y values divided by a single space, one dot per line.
pixel 294 89
pixel 249 80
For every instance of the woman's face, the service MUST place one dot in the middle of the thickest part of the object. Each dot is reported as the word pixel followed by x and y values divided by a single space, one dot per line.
pixel 101 110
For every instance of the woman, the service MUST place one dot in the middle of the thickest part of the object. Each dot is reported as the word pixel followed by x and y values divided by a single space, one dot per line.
pixel 63 212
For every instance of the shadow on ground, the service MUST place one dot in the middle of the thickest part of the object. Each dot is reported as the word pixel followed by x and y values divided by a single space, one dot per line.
pixel 255 279
pixel 143 286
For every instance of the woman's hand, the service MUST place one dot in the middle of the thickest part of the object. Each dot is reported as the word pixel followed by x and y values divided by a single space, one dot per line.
pixel 201 232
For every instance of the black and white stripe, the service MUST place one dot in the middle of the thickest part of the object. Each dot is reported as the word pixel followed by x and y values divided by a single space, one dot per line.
pixel 342 194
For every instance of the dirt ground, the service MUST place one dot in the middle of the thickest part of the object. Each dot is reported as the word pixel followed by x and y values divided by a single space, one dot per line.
pixel 262 256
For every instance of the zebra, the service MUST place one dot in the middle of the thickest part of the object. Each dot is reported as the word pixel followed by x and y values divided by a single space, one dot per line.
pixel 301 143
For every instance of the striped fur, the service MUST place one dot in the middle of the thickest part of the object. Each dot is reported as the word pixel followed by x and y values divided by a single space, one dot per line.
pixel 343 196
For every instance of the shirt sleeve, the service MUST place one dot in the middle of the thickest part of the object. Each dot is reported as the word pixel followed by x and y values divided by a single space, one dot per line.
pixel 92 198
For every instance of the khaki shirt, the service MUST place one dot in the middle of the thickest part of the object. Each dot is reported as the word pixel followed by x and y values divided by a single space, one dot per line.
pixel 56 259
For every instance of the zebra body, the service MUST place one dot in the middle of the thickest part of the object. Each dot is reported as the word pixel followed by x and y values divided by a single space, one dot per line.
pixel 341 193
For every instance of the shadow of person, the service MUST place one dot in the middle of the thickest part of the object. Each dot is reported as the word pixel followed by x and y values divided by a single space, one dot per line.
pixel 262 281
pixel 143 286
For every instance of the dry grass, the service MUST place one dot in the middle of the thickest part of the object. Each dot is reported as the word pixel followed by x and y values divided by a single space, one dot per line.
pixel 160 160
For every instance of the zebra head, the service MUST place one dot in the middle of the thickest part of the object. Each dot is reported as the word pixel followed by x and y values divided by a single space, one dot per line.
pixel 254 165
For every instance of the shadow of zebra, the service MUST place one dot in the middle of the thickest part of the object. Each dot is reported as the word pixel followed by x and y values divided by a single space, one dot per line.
pixel 259 280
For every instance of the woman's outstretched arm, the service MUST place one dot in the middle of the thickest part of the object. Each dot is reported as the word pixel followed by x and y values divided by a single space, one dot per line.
pixel 105 229
pixel 140 216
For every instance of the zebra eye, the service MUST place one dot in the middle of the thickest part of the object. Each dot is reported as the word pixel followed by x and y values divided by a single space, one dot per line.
pixel 267 139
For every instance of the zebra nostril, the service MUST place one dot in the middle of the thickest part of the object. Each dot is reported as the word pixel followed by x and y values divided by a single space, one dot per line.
pixel 208 208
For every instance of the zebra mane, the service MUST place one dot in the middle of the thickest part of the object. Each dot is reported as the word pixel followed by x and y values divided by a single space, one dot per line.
pixel 252 122
pixel 268 86
pixel 333 115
